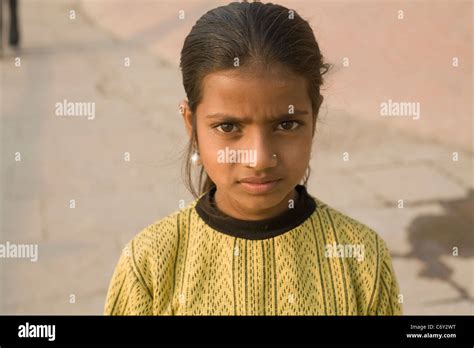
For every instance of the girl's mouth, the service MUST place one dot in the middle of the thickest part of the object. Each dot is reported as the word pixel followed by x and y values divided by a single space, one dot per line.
pixel 260 188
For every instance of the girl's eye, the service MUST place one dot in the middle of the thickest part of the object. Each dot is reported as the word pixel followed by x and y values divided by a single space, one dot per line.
pixel 225 127
pixel 229 127
pixel 289 125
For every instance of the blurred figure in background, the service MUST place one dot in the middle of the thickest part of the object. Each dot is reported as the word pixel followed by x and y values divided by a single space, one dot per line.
pixel 14 35
pixel 14 32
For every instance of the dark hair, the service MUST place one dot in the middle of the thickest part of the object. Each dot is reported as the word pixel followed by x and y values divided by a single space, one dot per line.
pixel 260 35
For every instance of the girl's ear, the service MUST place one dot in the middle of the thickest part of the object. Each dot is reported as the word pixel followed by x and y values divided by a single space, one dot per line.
pixel 187 116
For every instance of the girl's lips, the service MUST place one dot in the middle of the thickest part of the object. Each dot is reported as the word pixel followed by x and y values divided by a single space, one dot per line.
pixel 259 188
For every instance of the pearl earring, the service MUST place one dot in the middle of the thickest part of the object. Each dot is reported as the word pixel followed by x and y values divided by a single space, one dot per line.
pixel 195 157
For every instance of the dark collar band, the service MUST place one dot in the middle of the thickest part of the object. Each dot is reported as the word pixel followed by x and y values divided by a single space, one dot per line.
pixel 260 229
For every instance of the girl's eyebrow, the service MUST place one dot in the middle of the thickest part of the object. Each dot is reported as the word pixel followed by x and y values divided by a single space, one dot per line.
pixel 232 118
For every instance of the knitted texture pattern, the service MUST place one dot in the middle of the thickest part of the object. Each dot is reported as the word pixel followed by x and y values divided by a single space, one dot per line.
pixel 181 266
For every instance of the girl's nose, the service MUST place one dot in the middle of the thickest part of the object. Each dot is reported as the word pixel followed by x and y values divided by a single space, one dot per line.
pixel 264 154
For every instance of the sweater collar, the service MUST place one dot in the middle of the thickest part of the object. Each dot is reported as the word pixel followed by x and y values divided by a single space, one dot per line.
pixel 260 229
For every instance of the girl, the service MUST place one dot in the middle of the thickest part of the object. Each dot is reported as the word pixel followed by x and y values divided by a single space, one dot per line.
pixel 253 242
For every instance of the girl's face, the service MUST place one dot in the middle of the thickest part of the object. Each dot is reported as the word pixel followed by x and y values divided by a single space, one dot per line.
pixel 242 120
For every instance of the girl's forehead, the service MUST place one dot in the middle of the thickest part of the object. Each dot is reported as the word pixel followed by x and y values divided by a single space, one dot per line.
pixel 245 92
pixel 276 74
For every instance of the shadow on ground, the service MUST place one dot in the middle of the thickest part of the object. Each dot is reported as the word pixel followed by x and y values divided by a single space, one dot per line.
pixel 434 236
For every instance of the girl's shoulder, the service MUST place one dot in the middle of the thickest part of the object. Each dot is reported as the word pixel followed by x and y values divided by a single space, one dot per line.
pixel 161 235
pixel 364 254
pixel 151 253
pixel 342 229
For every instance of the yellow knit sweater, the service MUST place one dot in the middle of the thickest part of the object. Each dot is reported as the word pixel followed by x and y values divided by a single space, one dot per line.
pixel 310 260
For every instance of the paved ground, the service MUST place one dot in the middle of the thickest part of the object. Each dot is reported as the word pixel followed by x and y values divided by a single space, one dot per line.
pixel 65 158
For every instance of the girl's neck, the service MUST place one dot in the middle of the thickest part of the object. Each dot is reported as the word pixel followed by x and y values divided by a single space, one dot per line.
pixel 232 208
